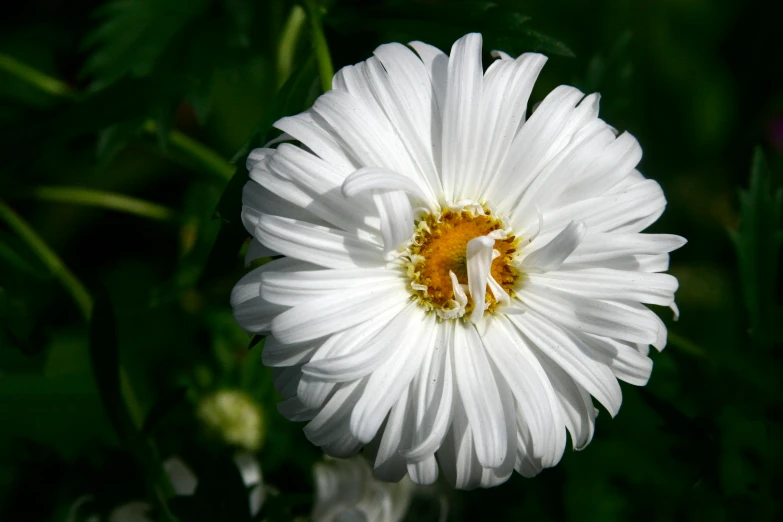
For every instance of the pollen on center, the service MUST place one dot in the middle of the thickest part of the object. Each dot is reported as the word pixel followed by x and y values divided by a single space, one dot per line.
pixel 439 247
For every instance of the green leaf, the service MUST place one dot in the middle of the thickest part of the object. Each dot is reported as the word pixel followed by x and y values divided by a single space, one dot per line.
pixel 118 401
pixel 133 36
pixel 296 95
pixel 758 242
pixel 168 402
pixel 502 28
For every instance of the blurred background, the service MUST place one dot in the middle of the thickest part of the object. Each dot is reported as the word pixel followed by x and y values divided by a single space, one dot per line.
pixel 123 122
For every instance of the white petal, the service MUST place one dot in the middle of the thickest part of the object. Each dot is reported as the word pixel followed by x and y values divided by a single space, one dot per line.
pixel 532 390
pixel 608 169
pixel 378 178
pixel 386 382
pixel 424 472
pixel 389 464
pixel 457 455
pixel 610 212
pixel 598 247
pixel 331 423
pixel 553 254
pixel 257 155
pixel 633 263
pixel 432 398
pixel 314 392
pixel 396 214
pixel 368 137
pixel 293 288
pixel 575 403
pixel 587 145
pixel 605 283
pixel 248 468
pixel 343 448
pixel 405 100
pixel 277 354
pixel 533 141
pixel 571 354
pixel 479 260
pixel 507 87
pixel 258 200
pixel 627 363
pixel 315 134
pixel 286 380
pixel 589 315
pixel 249 286
pixel 293 410
pixel 365 350
pixel 181 477
pixel 491 477
pixel 336 311
pixel 437 64
pixel 461 118
pixel 313 184
pixel 251 311
pixel 479 394
pixel 323 246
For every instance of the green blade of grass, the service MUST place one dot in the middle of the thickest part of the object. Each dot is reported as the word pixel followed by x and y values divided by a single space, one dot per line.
pixel 103 199
pixel 49 258
pixel 321 48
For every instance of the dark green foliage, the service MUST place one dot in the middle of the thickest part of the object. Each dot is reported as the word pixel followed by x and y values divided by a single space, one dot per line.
pixel 437 23
pixel 133 35
pixel 758 241
pixel 164 99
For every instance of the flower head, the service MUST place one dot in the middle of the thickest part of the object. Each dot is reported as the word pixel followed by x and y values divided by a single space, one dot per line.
pixel 346 490
pixel 459 280
pixel 234 418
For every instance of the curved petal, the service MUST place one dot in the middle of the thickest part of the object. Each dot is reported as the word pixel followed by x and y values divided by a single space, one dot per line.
pixel 461 118
pixel 507 88
pixel 606 283
pixel 480 397
pixel 432 398
pixel 337 311
pixel 553 254
pixel 589 315
pixel 479 260
pixel 571 354
pixel 378 178
pixel 533 141
pixel 311 130
pixel 394 209
pixel 323 246
pixel 292 288
pixel 386 382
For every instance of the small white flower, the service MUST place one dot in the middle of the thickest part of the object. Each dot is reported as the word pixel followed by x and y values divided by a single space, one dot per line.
pixel 458 279
pixel 346 490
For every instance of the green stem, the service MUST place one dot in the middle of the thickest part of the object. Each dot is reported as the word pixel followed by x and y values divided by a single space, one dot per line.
pixel 109 200
pixel 288 40
pixel 50 259
pixel 321 48
pixel 195 151
pixel 200 154
pixel 686 345
pixel 36 78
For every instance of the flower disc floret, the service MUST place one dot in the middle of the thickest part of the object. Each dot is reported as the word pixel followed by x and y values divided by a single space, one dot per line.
pixel 438 249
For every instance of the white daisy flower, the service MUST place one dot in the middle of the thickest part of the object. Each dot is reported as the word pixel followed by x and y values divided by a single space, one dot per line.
pixel 459 279
pixel 346 490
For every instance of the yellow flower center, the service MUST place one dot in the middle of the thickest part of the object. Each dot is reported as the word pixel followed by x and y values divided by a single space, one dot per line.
pixel 439 247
